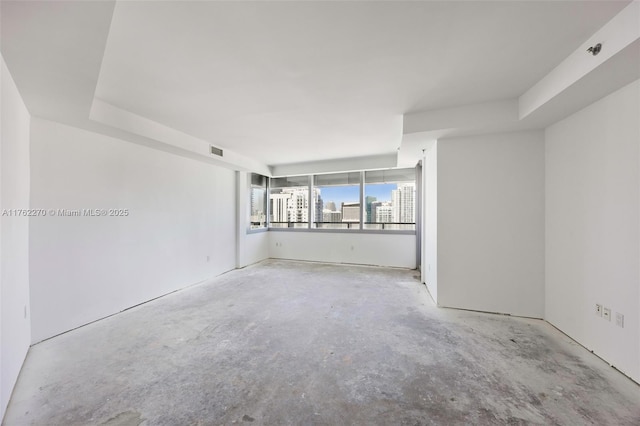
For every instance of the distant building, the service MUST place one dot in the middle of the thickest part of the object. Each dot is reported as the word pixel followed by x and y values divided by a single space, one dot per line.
pixel 403 200
pixel 367 202
pixel 318 206
pixel 330 206
pixel 292 205
pixel 381 212
pixel 331 216
pixel 351 212
pixel 279 206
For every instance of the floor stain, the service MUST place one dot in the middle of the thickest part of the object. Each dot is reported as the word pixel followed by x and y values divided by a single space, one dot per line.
pixel 127 418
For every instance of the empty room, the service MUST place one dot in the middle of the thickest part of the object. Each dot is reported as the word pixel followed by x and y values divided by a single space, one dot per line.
pixel 320 212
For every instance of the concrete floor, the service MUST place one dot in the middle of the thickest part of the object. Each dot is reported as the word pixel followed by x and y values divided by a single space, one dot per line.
pixel 305 343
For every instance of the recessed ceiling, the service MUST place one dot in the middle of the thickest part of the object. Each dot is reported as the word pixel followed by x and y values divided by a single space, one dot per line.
pixel 288 82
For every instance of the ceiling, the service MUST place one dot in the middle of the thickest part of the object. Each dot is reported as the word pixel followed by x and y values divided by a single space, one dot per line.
pixel 286 82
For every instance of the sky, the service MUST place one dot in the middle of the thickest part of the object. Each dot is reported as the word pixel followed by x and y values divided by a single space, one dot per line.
pixel 339 194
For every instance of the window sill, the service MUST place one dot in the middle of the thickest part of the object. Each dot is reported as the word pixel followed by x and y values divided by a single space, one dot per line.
pixel 346 231
pixel 257 230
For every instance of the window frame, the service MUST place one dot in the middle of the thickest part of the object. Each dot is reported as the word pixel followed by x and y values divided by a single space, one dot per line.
pixel 252 178
pixel 398 177
pixel 300 184
pixel 311 206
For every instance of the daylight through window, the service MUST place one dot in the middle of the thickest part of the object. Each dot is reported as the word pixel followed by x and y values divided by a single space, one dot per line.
pixel 377 200
pixel 289 202
pixel 258 201
pixel 337 201
pixel 390 199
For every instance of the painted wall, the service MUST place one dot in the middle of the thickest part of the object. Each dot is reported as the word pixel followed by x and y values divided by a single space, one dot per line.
pixel 180 227
pixel 396 250
pixel 491 223
pixel 430 228
pixel 592 233
pixel 15 327
pixel 255 248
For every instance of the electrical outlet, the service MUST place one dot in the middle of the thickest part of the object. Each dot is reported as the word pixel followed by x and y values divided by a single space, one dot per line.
pixel 598 309
pixel 606 314
pixel 619 320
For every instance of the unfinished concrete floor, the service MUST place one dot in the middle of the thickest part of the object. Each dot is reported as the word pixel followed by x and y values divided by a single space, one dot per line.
pixel 305 343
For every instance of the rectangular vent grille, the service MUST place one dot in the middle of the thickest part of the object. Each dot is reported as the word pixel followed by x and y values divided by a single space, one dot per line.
pixel 216 151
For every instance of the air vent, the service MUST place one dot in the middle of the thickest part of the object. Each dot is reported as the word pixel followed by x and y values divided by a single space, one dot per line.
pixel 216 151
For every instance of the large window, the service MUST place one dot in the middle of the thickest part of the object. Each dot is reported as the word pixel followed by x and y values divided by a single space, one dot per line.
pixel 376 200
pixel 337 201
pixel 390 199
pixel 289 202
pixel 258 201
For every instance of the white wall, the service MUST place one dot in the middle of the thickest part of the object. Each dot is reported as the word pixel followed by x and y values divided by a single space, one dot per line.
pixel 396 250
pixel 491 223
pixel 255 248
pixel 430 225
pixel 592 229
pixel 15 334
pixel 180 229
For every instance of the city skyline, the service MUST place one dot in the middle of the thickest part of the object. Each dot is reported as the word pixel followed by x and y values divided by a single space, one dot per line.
pixel 292 205
pixel 351 193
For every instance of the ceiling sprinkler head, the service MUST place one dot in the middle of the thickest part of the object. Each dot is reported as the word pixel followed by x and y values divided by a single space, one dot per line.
pixel 594 50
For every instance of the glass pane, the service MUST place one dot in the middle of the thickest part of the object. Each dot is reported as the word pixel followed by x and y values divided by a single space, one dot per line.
pixel 352 178
pixel 391 176
pixel 289 207
pixel 290 181
pixel 258 180
pixel 258 216
pixel 337 201
pixel 390 199
pixel 258 207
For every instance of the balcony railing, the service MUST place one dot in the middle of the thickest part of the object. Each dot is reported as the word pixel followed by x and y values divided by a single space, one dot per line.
pixel 388 226
pixel 288 224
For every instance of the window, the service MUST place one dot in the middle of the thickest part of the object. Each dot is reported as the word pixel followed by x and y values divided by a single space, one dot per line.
pixel 337 201
pixel 289 202
pixel 258 218
pixel 375 200
pixel 390 199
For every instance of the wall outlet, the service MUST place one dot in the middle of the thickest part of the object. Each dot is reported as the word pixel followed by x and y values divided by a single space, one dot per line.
pixel 606 314
pixel 619 320
pixel 598 309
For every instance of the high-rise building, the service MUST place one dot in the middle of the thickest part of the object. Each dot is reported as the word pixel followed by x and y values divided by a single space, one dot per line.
pixel 331 216
pixel 351 212
pixel 258 216
pixel 367 202
pixel 330 206
pixel 382 212
pixel 292 205
pixel 298 205
pixel 278 206
pixel 403 201
pixel 318 206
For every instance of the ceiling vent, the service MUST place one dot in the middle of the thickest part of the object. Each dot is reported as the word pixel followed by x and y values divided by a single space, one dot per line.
pixel 216 151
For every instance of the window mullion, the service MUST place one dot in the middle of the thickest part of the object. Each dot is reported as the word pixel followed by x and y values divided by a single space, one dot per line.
pixel 311 203
pixel 362 209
